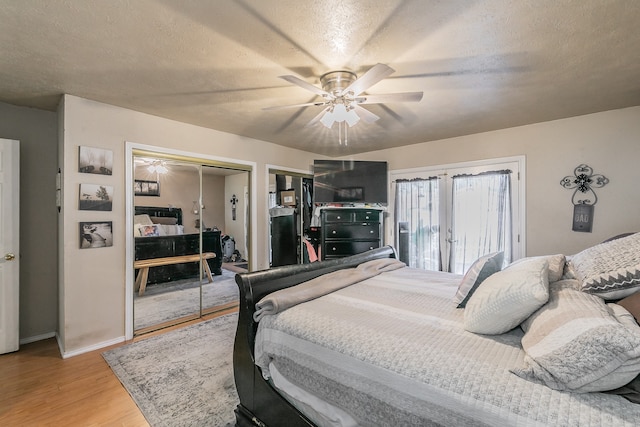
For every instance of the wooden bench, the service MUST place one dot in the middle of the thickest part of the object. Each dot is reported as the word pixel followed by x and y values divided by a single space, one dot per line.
pixel 144 264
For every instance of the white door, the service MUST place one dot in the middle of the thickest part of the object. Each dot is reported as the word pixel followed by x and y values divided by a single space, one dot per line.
pixel 444 174
pixel 9 244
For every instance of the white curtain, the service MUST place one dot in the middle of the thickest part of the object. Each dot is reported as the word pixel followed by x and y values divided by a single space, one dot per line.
pixel 417 219
pixel 481 218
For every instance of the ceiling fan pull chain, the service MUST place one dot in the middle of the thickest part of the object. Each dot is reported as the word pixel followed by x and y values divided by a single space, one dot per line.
pixel 346 136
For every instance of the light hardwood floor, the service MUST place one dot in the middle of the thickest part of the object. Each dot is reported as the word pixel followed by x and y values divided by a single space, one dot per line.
pixel 39 388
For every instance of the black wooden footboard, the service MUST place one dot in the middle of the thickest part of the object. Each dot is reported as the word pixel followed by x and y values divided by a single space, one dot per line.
pixel 260 404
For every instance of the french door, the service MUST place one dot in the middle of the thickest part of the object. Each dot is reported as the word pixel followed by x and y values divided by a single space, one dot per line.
pixel 446 217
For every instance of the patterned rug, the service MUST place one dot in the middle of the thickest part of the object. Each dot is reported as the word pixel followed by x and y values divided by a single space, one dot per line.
pixel 169 301
pixel 183 377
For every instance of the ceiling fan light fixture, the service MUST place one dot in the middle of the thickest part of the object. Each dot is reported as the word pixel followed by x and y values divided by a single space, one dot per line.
pixel 328 119
pixel 352 118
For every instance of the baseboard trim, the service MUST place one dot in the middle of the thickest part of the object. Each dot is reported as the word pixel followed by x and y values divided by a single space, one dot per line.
pixel 35 338
pixel 98 346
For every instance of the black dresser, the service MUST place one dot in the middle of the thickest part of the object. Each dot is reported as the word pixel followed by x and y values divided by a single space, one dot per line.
pixel 349 231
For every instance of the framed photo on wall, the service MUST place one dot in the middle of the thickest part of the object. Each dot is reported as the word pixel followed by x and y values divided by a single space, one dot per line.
pixel 95 160
pixel 95 197
pixel 146 188
pixel 97 234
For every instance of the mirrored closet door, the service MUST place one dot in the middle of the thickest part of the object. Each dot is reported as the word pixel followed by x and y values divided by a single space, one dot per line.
pixel 183 222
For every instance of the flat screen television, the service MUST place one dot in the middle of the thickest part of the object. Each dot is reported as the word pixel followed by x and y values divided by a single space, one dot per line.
pixel 349 181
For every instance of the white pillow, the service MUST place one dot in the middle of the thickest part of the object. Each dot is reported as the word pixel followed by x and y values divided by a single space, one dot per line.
pixel 556 265
pixel 577 342
pixel 508 297
pixel 143 219
pixel 171 230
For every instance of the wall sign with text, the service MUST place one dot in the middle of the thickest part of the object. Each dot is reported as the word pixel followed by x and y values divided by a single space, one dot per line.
pixel 583 182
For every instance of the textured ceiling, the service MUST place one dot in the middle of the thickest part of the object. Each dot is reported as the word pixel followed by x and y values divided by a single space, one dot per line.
pixel 482 65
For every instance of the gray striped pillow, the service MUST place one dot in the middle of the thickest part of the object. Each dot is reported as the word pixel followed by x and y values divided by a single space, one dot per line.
pixel 611 269
pixel 577 342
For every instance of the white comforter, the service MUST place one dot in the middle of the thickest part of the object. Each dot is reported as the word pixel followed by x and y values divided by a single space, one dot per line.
pixel 391 351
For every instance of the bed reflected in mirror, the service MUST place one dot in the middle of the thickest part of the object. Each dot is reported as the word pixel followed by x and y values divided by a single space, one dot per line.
pixel 179 235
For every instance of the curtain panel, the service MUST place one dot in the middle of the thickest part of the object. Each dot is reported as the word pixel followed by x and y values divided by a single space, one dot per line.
pixel 481 218
pixel 417 222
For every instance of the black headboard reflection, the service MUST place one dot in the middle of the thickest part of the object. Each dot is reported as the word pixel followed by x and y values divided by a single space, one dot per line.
pixel 160 212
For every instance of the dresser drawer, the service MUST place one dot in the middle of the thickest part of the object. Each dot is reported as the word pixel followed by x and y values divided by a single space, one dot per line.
pixel 362 230
pixel 340 249
pixel 338 215
pixel 367 216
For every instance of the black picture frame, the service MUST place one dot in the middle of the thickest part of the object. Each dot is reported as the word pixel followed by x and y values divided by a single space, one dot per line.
pixel 95 160
pixel 350 194
pixel 96 234
pixel 146 188
pixel 95 197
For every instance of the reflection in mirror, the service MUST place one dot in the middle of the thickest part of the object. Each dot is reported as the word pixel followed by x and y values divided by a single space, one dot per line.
pixel 167 243
pixel 182 214
pixel 219 186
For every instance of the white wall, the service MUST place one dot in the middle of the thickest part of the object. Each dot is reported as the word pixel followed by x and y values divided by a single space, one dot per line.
pixel 235 185
pixel 609 142
pixel 92 281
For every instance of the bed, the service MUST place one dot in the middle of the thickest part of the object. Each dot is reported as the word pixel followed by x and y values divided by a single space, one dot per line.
pixel 159 233
pixel 366 340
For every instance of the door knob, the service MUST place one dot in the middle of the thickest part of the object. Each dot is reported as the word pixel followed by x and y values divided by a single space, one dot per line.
pixel 9 257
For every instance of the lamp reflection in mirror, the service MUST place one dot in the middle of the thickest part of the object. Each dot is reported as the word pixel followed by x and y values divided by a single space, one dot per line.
pixel 157 167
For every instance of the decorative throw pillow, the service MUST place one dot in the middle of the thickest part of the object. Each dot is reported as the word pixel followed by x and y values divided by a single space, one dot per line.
pixel 482 268
pixel 556 265
pixel 150 230
pixel 632 305
pixel 611 269
pixel 508 297
pixel 577 342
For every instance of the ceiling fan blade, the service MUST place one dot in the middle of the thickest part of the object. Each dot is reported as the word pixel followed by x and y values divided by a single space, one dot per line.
pixel 283 107
pixel 308 86
pixel 389 97
pixel 317 118
pixel 365 114
pixel 368 79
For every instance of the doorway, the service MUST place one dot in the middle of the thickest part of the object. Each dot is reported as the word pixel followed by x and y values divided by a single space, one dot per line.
pixel 292 237
pixel 180 213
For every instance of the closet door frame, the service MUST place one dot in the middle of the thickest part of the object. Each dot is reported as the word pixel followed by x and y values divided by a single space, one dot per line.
pixel 133 150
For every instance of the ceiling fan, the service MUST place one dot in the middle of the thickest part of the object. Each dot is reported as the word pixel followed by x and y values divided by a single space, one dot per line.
pixel 343 93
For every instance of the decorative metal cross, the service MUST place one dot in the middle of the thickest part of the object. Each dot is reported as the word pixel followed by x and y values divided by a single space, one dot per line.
pixel 584 181
pixel 233 201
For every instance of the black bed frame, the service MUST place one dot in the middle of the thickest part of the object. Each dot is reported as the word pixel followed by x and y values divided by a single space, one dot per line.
pixel 260 404
pixel 174 245
pixel 160 212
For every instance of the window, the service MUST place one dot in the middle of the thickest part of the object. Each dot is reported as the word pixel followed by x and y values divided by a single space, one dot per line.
pixel 447 217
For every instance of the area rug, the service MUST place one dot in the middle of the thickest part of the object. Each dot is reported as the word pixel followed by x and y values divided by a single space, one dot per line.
pixel 161 303
pixel 183 377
